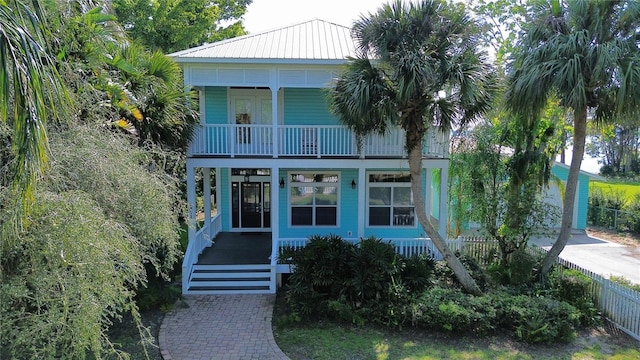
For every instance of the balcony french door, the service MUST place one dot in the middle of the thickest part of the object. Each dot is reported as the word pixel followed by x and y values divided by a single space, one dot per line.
pixel 251 113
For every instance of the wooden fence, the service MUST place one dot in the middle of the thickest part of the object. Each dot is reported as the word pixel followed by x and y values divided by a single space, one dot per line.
pixel 618 303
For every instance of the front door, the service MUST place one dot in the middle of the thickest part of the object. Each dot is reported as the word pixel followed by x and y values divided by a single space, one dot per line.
pixel 251 205
pixel 251 208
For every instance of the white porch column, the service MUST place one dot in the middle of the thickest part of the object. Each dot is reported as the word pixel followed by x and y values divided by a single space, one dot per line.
pixel 275 212
pixel 362 200
pixel 191 200
pixel 444 210
pixel 206 185
pixel 274 115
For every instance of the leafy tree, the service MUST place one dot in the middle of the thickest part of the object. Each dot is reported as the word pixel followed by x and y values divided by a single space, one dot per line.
pixel 618 144
pixel 100 219
pixel 499 171
pixel 418 66
pixel 587 54
pixel 160 24
pixel 31 91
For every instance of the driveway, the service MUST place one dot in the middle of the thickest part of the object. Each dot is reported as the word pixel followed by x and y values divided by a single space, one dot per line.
pixel 600 256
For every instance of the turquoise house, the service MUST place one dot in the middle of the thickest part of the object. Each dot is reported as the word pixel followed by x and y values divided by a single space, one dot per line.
pixel 285 168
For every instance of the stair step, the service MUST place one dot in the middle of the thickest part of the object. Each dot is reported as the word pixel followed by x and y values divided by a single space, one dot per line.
pixel 244 271
pixel 230 284
pixel 230 277
pixel 207 291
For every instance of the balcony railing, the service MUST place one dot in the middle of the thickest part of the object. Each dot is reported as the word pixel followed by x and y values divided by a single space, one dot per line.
pixel 307 141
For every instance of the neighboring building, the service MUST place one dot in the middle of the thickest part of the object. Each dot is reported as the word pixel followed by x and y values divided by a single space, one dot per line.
pixel 561 172
pixel 285 167
pixel 555 193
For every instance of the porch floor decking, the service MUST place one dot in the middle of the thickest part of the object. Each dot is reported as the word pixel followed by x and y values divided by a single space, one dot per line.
pixel 231 248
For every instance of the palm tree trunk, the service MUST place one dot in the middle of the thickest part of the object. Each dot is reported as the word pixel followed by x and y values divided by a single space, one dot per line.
pixel 461 273
pixel 579 135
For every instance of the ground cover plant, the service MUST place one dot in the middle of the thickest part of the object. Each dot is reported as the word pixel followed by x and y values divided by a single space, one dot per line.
pixel 368 283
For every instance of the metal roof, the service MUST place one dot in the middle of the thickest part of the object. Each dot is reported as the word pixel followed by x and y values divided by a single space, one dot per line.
pixel 311 40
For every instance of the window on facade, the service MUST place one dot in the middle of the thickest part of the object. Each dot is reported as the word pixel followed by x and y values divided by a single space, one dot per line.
pixel 314 199
pixel 390 200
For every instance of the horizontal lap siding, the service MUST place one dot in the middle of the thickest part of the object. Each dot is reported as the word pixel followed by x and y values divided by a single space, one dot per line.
pixel 307 107
pixel 215 101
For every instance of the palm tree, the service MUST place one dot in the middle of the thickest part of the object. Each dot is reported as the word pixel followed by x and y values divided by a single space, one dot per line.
pixel 31 87
pixel 418 66
pixel 587 53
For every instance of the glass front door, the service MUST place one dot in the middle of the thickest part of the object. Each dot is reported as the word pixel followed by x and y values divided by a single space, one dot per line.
pixel 251 205
pixel 251 213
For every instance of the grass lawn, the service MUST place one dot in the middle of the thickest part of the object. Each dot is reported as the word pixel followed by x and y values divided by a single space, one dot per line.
pixel 325 340
pixel 630 190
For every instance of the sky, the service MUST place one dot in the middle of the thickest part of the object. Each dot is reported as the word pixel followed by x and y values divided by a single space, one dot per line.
pixel 264 15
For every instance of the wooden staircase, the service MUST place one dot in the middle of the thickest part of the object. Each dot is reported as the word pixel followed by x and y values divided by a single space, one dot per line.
pixel 232 279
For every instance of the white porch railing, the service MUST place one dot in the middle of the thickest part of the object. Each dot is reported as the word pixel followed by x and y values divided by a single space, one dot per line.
pixel 202 240
pixel 306 141
pixel 406 246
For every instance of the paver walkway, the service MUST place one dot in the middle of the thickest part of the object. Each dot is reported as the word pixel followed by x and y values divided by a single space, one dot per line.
pixel 220 327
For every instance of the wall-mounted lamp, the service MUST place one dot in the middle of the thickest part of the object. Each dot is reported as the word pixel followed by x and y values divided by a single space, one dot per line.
pixel 246 177
pixel 353 183
pixel 281 183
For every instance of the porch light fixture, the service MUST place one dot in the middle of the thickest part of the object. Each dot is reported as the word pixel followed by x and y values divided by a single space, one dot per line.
pixel 281 183
pixel 246 177
pixel 353 183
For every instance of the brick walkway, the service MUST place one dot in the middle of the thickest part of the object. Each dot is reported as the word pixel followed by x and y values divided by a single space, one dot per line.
pixel 224 327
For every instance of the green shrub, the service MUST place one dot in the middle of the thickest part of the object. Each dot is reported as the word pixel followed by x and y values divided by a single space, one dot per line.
pixel 452 310
pixel 620 280
pixel 445 275
pixel 354 282
pixel 574 288
pixel 541 320
pixel 417 273
pixel 519 271
pixel 370 271
pixel 322 273
pixel 632 218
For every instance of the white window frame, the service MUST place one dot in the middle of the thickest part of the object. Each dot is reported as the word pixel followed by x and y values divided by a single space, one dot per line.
pixel 290 185
pixel 391 205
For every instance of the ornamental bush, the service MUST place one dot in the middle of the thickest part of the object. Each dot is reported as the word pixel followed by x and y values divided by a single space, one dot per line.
pixel 102 224
pixel 354 282
pixel 65 279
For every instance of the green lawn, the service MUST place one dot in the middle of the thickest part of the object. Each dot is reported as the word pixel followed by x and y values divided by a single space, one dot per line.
pixel 630 190
pixel 329 341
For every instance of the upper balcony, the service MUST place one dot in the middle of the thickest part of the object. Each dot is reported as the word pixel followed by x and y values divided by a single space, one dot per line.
pixel 328 141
